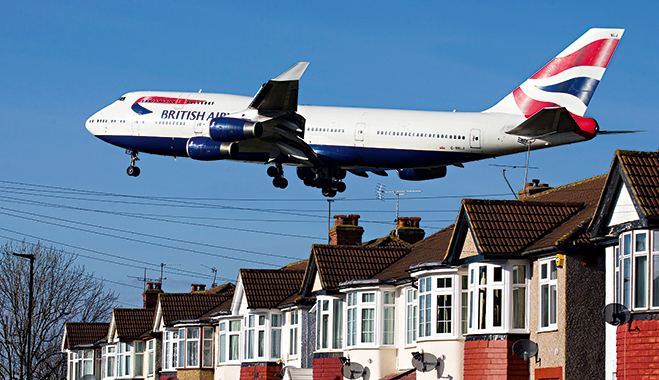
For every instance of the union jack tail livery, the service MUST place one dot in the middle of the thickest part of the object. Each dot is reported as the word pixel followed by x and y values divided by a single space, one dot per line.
pixel 569 80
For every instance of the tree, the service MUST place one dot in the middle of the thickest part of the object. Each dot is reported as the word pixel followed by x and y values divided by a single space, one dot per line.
pixel 63 292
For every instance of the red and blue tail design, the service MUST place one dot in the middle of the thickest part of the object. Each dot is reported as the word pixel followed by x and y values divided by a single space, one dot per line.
pixel 569 80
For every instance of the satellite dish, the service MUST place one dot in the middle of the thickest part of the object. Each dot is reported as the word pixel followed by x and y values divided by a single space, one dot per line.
pixel 424 362
pixel 525 349
pixel 352 370
pixel 616 314
pixel 88 377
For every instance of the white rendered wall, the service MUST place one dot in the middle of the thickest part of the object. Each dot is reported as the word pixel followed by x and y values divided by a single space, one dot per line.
pixel 453 352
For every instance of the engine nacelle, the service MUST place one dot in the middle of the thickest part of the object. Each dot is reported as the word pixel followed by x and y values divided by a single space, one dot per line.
pixel 228 129
pixel 422 174
pixel 205 149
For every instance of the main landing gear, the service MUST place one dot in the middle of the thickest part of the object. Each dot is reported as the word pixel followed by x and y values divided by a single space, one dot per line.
pixel 277 174
pixel 329 180
pixel 133 170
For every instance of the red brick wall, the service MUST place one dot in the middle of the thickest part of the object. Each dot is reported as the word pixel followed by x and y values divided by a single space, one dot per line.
pixel 493 360
pixel 327 369
pixel 248 371
pixel 637 350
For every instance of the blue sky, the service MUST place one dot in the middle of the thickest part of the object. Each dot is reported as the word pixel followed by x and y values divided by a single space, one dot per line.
pixel 61 62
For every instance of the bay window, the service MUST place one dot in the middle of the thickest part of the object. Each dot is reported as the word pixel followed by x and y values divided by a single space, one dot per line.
pixel 329 323
pixel 637 269
pixel 494 297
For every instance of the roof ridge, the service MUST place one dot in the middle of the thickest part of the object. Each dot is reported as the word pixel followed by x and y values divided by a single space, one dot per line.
pixel 563 187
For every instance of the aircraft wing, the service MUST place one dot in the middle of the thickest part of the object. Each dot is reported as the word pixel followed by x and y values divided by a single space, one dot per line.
pixel 547 121
pixel 276 105
pixel 280 94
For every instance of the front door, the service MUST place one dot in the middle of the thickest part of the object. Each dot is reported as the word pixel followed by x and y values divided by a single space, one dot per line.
pixel 359 131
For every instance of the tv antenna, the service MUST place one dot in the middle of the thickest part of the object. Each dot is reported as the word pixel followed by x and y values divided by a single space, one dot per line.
pixel 510 167
pixel 214 270
pixel 329 215
pixel 162 266
pixel 380 190
pixel 525 349
pixel 143 279
pixel 616 314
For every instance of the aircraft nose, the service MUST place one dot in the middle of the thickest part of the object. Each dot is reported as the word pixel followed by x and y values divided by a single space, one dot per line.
pixel 94 124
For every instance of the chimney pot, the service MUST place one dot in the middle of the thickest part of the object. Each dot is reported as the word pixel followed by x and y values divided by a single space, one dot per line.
pixel 535 182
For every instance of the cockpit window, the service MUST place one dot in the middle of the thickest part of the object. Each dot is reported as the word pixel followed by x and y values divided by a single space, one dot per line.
pixel 122 98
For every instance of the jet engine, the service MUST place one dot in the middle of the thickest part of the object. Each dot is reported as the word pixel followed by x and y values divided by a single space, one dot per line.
pixel 422 174
pixel 205 149
pixel 228 129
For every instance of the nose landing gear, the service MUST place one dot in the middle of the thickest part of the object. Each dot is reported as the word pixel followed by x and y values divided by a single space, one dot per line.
pixel 277 174
pixel 133 170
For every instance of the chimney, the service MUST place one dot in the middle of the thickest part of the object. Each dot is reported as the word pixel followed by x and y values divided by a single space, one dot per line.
pixel 346 230
pixel 150 295
pixel 532 188
pixel 197 287
pixel 408 230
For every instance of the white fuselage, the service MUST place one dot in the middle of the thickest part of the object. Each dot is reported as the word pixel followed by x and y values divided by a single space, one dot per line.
pixel 350 138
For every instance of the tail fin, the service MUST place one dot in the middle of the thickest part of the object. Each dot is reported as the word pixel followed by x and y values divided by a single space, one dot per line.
pixel 569 80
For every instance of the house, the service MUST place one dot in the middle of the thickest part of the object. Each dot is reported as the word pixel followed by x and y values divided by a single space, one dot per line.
pixel 182 323
pixel 81 343
pixel 268 326
pixel 129 351
pixel 626 223
pixel 531 273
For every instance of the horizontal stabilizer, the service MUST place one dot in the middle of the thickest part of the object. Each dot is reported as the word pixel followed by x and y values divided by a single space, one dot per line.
pixel 547 121
pixel 617 132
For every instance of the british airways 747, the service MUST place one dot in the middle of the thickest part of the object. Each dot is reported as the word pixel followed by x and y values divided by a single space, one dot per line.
pixel 325 143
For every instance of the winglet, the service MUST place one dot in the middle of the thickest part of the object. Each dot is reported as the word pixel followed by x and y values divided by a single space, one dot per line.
pixel 294 73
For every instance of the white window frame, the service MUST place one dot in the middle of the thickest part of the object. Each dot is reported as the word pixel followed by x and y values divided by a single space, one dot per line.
pixel 138 350
pixel 170 349
pixel 388 309
pixel 637 270
pixel 207 346
pixel 293 340
pixel 367 318
pixel 276 322
pixel 411 314
pixel 641 288
pixel 151 356
pixel 329 323
pixel 110 368
pixel 546 278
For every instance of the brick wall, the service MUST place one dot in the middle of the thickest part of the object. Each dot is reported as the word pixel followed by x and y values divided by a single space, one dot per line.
pixel 490 357
pixel 637 350
pixel 260 370
pixel 327 367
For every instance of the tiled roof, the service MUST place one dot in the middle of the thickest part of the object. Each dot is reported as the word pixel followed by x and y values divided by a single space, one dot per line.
pixel 574 229
pixel 224 306
pixel 184 306
pixel 85 333
pixel 336 263
pixel 386 241
pixel 132 323
pixel 267 288
pixel 432 248
pixel 228 287
pixel 642 172
pixel 507 227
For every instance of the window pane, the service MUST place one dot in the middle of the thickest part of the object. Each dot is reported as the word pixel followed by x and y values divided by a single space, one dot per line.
pixel 519 274
pixel 324 330
pixel 388 325
pixel 543 271
pixel 552 270
pixel 139 363
pixel 641 242
pixel 223 348
pixel 234 347
pixel 261 351
pixel 627 244
pixel 482 304
pixel 464 310
pixel 368 297
pixel 552 314
pixel 519 308
pixel 443 313
pixel 388 298
pixel 275 344
pixel 193 353
pixel 337 324
pixel 250 344
pixel 261 320
pixel 428 315
pixel 626 282
pixel 496 307
pixel 482 275
pixel 641 282
pixel 544 294
pixel 655 241
pixel 276 320
pixel 368 325
pixel 208 354
pixel 655 281
pixel 234 326
pixel 465 282
pixel 498 274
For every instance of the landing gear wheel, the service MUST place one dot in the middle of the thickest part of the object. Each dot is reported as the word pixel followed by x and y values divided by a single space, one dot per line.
pixel 340 187
pixel 281 183
pixel 330 193
pixel 133 171
pixel 273 172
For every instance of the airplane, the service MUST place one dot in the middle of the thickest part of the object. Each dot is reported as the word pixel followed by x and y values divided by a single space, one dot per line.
pixel 325 143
